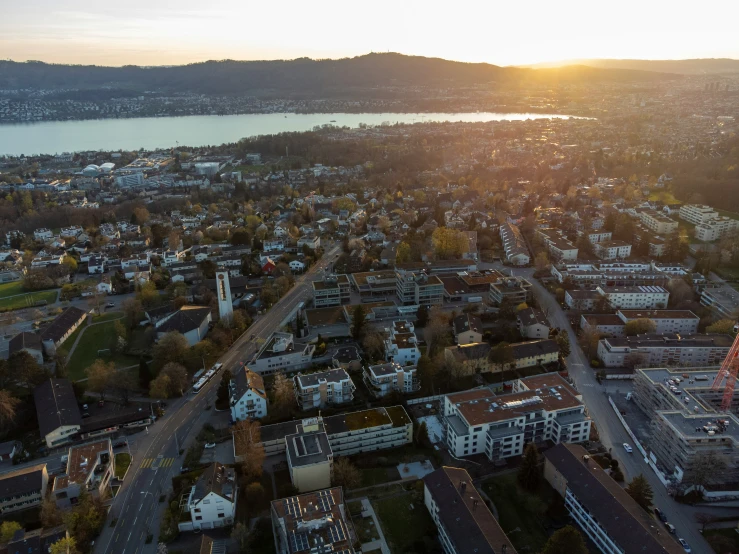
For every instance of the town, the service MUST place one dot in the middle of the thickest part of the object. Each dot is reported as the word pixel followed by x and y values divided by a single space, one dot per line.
pixel 516 336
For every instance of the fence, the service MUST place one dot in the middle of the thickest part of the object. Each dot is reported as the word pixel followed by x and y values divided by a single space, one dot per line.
pixel 425 399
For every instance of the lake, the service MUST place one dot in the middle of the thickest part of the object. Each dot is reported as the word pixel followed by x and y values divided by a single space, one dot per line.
pixel 55 137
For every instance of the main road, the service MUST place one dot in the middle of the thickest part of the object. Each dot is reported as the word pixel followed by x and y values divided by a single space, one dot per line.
pixel 156 458
pixel 612 433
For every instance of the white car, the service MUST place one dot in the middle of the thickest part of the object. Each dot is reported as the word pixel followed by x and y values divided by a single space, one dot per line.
pixel 110 305
pixel 210 445
pixel 628 448
pixel 684 544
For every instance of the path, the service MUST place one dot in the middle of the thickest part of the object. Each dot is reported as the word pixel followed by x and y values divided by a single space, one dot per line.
pixel 381 542
pixel 88 323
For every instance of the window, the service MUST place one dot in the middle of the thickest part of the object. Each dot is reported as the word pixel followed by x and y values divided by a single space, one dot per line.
pixel 198 518
pixel 220 515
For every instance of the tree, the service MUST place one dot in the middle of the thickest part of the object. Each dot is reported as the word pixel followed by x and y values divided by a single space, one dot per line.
pixel 403 253
pixel 722 326
pixel 529 472
pixel 541 261
pixel 422 435
pixel 563 342
pixel 8 407
pixel 123 385
pixel 140 215
pixel 240 534
pixel 50 516
pixel 223 393
pixel 145 375
pixel 172 347
pixel 567 540
pixel 449 243
pixel 160 387
pixel 100 376
pixel 8 529
pixel 706 468
pixel 345 474
pixel 705 519
pixel 26 369
pixel 284 395
pixel 254 494
pixel 501 355
pixel 359 320
pixel 148 295
pixel 422 316
pixel 522 306
pixel 640 490
pixel 437 333
pixel 70 263
pixel 132 311
pixel 248 446
pixel 66 545
pixel 427 371
pixel 590 338
pixel 177 377
pixel 640 326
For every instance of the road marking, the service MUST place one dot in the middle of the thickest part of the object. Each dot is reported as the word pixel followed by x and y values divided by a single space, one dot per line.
pixel 116 537
pixel 147 462
pixel 129 537
pixel 135 520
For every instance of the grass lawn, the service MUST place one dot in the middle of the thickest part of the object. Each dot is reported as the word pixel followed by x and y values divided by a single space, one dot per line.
pixel 723 541
pixel 109 316
pixel 94 338
pixel 27 300
pixel 404 521
pixel 663 196
pixel 724 213
pixel 67 344
pixel 378 475
pixel 11 289
pixel 122 461
pixel 527 511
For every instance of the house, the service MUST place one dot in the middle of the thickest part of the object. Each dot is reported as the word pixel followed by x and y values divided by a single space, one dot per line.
pixel 296 265
pixel 27 342
pixel 314 520
pixel 311 242
pixel 602 508
pixel 383 379
pixel 462 518
pixel 95 264
pixel 268 266
pixel 212 500
pixel 57 411
pixel 38 541
pixel 538 409
pixel 248 397
pixel 467 329
pixel 190 321
pixel 323 388
pixel 9 449
pixel 516 250
pixel 89 467
pixel 104 286
pixel 532 323
pixel 475 357
pixel 583 300
pixel 401 345
pixel 24 488
pixel 59 330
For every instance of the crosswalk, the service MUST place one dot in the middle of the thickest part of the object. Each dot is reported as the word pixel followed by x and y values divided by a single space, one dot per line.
pixel 155 463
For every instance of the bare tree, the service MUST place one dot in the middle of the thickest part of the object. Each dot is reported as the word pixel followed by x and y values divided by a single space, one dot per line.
pixel 248 446
pixel 284 395
pixel 345 474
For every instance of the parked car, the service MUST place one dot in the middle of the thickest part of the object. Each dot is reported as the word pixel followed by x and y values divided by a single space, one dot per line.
pixel 660 514
pixel 628 448
pixel 670 527
pixel 210 445
pixel 120 444
pixel 110 305
pixel 684 544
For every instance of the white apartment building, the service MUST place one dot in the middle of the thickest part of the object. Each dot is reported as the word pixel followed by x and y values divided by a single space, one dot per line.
pixel 323 388
pixel 697 214
pixel 43 234
pixel 281 353
pixel 90 467
pixel 716 228
pixel 652 350
pixel 514 245
pixel 598 236
pixel 248 397
pixel 723 299
pixel 683 322
pixel 635 298
pixel 212 500
pixel 401 345
pixel 657 222
pixel 559 247
pixel 382 379
pixel 540 408
pixel 612 250
pixel 333 290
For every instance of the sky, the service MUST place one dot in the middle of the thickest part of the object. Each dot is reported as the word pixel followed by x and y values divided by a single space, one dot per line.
pixel 502 32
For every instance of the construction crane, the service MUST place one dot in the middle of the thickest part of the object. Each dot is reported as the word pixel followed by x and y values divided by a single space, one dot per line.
pixel 728 371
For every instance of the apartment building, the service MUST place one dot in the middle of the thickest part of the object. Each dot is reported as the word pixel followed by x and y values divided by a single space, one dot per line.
pixel 419 289
pixel 722 299
pixel 21 489
pixel 247 394
pixel 348 433
pixel 333 290
pixel 383 379
pixel 612 250
pixel 582 300
pixel 211 502
pixel 595 237
pixel 467 329
pixel 309 456
pixel 532 323
pixel 697 214
pixel 281 352
pixel 559 247
pixel 475 357
pixel 635 298
pixel 401 344
pixel 516 250
pixel 683 322
pixel 652 350
pixel 462 518
pixel 716 228
pixel 313 522
pixel 323 388
pixel 515 288
pixel 374 284
pixel 541 408
pixel 90 467
pixel 657 222
pixel 601 508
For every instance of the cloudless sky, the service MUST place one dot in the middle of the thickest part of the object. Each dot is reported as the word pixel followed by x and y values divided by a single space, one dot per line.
pixel 503 32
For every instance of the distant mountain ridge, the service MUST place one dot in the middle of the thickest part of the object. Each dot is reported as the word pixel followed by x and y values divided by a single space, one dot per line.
pixel 301 76
pixel 698 66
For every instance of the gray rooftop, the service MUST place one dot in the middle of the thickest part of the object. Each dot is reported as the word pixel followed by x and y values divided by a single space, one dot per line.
pixel 308 448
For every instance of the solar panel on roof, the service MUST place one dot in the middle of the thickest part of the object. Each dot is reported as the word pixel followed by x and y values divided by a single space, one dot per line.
pixel 299 542
pixel 337 532
pixel 292 506
pixel 326 500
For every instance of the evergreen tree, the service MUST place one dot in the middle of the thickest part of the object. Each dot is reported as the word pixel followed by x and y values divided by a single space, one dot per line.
pixel 529 473
pixel 567 540
pixel 359 320
pixel 145 375
pixel 640 490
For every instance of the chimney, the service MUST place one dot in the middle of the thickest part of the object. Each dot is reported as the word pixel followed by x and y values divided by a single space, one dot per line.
pixel 462 486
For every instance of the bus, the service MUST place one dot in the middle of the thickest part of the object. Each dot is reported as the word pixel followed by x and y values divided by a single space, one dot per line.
pixel 197 387
pixel 209 375
pixel 197 376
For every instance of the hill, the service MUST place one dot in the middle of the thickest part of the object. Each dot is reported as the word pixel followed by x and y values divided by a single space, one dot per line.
pixel 704 66
pixel 301 76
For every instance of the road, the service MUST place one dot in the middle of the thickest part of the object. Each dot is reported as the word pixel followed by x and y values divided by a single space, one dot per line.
pixel 612 434
pixel 156 458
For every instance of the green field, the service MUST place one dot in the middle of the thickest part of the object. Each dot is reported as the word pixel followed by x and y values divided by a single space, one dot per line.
pixel 405 521
pixel 11 289
pixel 95 338
pixel 122 461
pixel 723 541
pixel 663 196
pixel 27 300
pixel 109 316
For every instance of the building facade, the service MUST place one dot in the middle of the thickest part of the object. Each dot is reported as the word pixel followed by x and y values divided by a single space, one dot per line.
pixel 652 350
pixel 248 396
pixel 334 290
pixel 323 388
pixel 635 298
pixel 383 379
pixel 282 353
